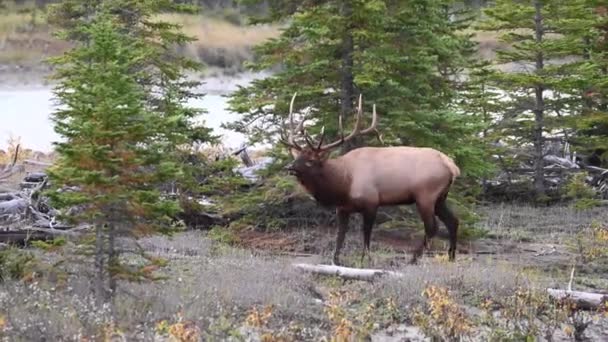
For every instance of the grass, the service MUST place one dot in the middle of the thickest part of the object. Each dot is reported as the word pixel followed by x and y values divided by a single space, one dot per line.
pixel 219 292
pixel 546 224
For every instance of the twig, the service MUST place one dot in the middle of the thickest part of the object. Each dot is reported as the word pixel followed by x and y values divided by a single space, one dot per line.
pixel 571 278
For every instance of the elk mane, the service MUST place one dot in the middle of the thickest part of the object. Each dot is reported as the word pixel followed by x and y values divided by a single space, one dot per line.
pixel 332 186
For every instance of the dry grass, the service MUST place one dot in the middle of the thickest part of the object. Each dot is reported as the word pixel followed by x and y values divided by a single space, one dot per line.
pixel 208 284
pixel 215 287
pixel 25 39
pixel 217 33
pixel 538 224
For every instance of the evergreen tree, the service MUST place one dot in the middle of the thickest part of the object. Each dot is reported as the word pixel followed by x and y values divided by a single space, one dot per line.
pixel 592 125
pixel 123 119
pixel 404 57
pixel 541 92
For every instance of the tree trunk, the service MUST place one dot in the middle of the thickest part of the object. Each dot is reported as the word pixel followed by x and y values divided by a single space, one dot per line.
pixel 539 107
pixel 100 292
pixel 112 260
pixel 347 86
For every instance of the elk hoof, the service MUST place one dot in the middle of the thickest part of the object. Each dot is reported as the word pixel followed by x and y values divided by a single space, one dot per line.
pixel 335 261
pixel 370 260
pixel 414 260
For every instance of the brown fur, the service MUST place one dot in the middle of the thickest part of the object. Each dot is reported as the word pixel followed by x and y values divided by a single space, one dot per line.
pixel 369 177
pixel 366 178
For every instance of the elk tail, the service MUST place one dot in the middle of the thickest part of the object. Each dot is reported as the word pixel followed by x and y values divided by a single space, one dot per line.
pixel 449 162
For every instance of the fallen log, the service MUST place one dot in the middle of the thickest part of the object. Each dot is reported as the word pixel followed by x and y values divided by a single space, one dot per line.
pixel 9 196
pixel 15 206
pixel 347 272
pixel 36 163
pixel 20 237
pixel 583 300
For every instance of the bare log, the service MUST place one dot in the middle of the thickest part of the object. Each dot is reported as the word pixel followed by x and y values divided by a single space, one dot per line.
pixel 9 196
pixel 30 234
pixel 36 163
pixel 347 272
pixel 583 300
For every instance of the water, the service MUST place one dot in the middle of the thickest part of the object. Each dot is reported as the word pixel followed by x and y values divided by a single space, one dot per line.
pixel 24 112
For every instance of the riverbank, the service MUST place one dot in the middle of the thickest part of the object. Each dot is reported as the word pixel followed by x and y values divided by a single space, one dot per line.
pixel 27 102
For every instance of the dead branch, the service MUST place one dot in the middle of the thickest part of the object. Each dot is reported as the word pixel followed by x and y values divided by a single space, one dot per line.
pixel 347 272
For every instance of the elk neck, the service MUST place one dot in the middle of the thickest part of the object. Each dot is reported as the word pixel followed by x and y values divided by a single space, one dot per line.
pixel 332 186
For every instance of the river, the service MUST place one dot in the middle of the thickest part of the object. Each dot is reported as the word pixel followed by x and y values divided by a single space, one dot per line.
pixel 25 111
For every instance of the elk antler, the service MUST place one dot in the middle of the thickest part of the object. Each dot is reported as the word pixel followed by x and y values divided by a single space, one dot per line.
pixel 356 131
pixel 290 140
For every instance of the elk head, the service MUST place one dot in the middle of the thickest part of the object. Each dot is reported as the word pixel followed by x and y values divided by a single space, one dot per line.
pixel 309 160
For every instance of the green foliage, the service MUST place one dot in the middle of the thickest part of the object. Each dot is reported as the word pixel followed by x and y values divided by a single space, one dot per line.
pixel 15 263
pixel 50 245
pixel 126 128
pixel 404 56
pixel 592 126
pixel 223 235
pixel 580 192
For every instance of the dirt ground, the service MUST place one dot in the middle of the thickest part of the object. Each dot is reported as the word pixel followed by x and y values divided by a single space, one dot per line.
pixel 528 237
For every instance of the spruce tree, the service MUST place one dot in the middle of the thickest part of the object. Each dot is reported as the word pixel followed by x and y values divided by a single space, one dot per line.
pixel 534 31
pixel 404 57
pixel 592 125
pixel 122 119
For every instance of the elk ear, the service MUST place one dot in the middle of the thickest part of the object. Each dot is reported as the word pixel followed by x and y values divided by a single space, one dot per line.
pixel 294 153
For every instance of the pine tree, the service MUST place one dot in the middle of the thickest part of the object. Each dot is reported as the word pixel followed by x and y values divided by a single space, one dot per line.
pixel 123 119
pixel 404 57
pixel 535 33
pixel 592 125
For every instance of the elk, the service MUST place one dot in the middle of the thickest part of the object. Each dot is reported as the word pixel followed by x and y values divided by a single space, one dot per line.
pixel 366 178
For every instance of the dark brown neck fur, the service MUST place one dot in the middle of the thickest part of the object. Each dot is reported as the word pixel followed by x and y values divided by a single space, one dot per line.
pixel 332 186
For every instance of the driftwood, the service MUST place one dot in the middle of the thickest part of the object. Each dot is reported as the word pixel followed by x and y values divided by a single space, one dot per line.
pixel 347 272
pixel 583 300
pixel 36 163
pixel 14 206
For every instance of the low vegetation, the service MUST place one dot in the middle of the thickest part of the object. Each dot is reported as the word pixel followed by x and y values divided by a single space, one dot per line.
pixel 208 290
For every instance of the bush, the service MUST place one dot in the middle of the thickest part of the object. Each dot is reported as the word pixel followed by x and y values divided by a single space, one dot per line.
pixel 15 263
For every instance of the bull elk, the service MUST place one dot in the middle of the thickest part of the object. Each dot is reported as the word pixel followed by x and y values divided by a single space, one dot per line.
pixel 366 178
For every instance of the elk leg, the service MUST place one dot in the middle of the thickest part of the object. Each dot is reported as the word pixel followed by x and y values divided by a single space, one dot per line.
pixel 343 218
pixel 369 217
pixel 451 222
pixel 427 214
